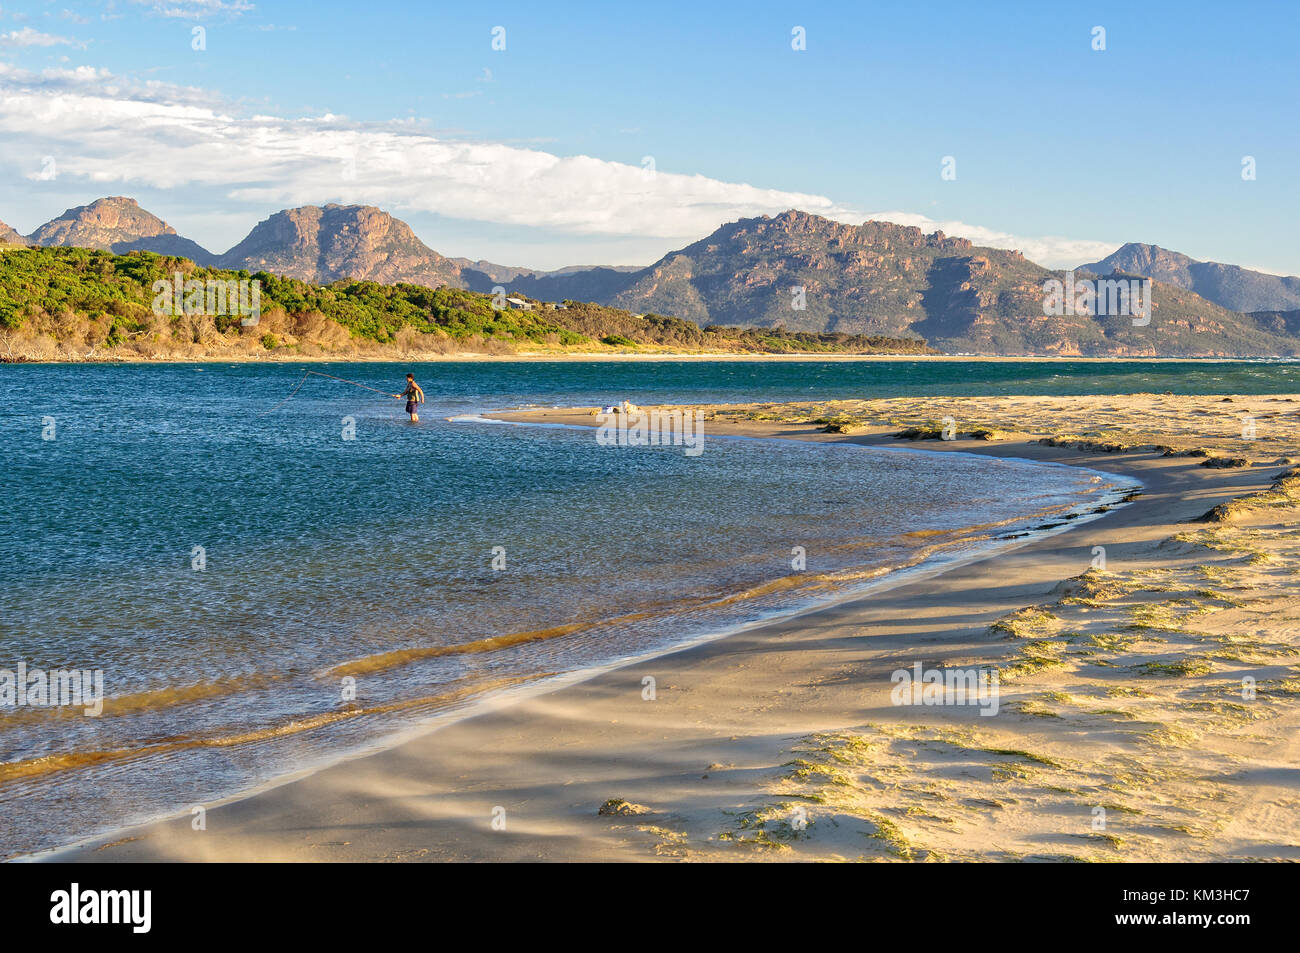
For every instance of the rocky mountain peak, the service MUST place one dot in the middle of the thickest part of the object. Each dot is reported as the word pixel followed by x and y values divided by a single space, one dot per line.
pixel 10 237
pixel 341 242
pixel 103 224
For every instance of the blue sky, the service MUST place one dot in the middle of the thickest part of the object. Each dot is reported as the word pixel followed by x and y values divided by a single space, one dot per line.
pixel 538 154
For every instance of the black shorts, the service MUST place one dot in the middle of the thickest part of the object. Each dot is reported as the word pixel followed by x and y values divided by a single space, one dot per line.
pixel 410 406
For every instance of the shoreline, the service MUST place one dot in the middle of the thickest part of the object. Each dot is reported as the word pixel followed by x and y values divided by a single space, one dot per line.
pixel 930 564
pixel 489 752
pixel 929 567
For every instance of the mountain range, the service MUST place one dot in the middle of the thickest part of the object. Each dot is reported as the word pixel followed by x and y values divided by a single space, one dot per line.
pixel 1233 287
pixel 794 270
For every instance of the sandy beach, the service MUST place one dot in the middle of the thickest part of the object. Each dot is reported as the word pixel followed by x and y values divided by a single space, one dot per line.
pixel 1128 725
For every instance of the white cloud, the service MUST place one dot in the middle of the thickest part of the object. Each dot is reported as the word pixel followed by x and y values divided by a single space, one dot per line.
pixel 197 9
pixel 119 133
pixel 1052 251
pixel 29 37
pixel 78 80
pixel 103 129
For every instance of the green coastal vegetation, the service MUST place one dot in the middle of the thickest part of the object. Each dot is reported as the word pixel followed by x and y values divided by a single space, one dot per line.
pixel 86 304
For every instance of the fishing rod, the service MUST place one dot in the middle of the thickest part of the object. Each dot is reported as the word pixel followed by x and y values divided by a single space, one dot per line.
pixel 353 383
pixel 308 374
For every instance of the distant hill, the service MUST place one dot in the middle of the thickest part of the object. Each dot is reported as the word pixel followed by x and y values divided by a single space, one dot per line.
pixel 311 243
pixel 337 242
pixel 361 242
pixel 599 283
pixel 476 274
pixel 117 224
pixel 881 278
pixel 792 272
pixel 88 304
pixel 9 237
pixel 1277 322
pixel 1231 286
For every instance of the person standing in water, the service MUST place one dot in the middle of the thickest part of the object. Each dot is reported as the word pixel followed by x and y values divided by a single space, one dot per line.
pixel 414 397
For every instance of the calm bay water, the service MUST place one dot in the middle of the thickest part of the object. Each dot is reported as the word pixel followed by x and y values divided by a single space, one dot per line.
pixel 229 564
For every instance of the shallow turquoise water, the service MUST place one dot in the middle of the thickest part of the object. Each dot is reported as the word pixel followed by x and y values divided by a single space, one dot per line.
pixel 375 554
